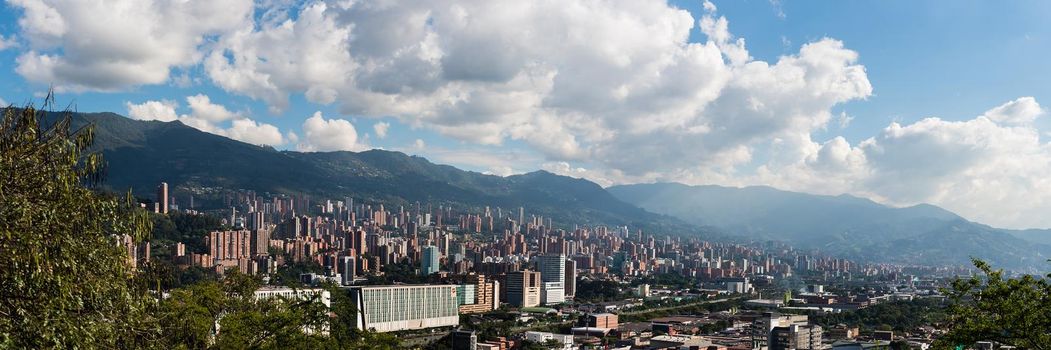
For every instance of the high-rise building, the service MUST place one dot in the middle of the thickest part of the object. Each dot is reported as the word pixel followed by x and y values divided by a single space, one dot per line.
pixel 553 276
pixel 479 295
pixel 405 307
pixel 430 261
pixel 348 269
pixel 162 198
pixel 523 288
pixel 260 242
pixel 571 279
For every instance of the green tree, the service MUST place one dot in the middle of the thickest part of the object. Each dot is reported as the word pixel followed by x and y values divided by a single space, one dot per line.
pixel 64 280
pixel 1012 311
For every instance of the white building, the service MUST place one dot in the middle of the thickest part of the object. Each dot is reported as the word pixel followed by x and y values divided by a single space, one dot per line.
pixel 738 285
pixel 405 307
pixel 542 337
pixel 553 278
pixel 552 293
pixel 269 292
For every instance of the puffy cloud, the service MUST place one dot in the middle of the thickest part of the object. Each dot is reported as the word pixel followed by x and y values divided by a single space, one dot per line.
pixel 115 44
pixel 994 171
pixel 307 55
pixel 205 116
pixel 1020 111
pixel 163 110
pixel 621 85
pixel 249 131
pixel 202 107
pixel 381 129
pixel 618 83
pixel 322 135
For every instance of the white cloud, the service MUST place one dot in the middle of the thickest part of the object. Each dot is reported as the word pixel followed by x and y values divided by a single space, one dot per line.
pixel 322 135
pixel 206 116
pixel 1023 110
pixel 419 145
pixel 163 110
pixel 622 85
pixel 116 44
pixel 381 129
pixel 994 171
pixel 7 42
pixel 249 131
pixel 202 107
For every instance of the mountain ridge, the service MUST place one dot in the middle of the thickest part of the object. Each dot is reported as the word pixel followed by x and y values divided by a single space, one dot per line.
pixel 842 225
pixel 141 154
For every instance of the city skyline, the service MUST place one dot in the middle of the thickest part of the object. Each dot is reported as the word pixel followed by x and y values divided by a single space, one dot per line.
pixel 792 95
pixel 525 175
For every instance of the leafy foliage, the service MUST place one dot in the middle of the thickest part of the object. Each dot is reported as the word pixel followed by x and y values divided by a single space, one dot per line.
pixel 190 229
pixel 896 315
pixel 64 281
pixel 597 290
pixel 1011 311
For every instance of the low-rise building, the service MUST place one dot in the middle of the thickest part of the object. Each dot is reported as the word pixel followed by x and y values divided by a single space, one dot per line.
pixel 405 307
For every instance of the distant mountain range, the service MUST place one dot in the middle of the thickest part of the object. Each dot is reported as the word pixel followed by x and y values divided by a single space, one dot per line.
pixel 843 225
pixel 141 154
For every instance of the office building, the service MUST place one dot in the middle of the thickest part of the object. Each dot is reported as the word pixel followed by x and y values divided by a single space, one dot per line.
pixel 405 307
pixel 763 326
pixel 796 336
pixel 260 242
pixel 324 297
pixel 479 295
pixel 162 198
pixel 348 269
pixel 552 293
pixel 523 288
pixel 553 276
pixel 571 279
pixel 430 261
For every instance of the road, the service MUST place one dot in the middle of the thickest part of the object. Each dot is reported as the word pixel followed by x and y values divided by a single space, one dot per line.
pixel 673 307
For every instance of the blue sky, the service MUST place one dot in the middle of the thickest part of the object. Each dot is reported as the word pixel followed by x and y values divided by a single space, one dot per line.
pixel 605 91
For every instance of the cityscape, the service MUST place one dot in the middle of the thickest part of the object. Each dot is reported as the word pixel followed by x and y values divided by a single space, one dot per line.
pixel 466 264
pixel 525 175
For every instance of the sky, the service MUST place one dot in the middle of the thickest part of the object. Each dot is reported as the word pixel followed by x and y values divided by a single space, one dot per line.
pixel 903 102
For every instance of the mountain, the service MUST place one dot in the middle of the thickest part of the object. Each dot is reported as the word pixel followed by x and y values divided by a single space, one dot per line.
pixel 842 225
pixel 1039 236
pixel 141 154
